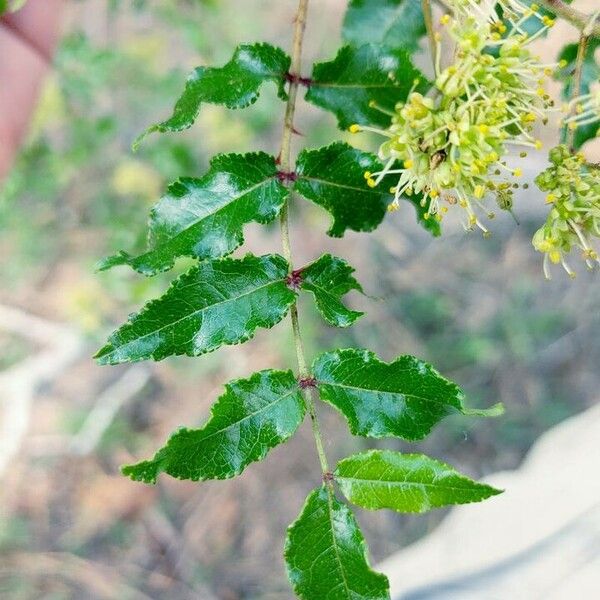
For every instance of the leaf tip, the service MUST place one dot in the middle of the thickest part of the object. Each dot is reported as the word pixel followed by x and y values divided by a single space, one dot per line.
pixel 105 264
pixel 102 357
pixel 145 471
pixel 140 138
pixel 496 410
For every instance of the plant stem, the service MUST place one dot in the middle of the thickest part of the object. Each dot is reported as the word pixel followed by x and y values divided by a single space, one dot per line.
pixel 577 77
pixel 578 73
pixel 572 15
pixel 286 166
pixel 428 17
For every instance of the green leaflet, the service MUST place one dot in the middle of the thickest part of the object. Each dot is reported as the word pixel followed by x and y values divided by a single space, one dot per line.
pixel 329 278
pixel 356 77
pixel 333 177
pixel 590 74
pixel 235 85
pixel 251 417
pixel 396 23
pixel 205 217
pixel 326 554
pixel 404 398
pixel 407 483
pixel 219 302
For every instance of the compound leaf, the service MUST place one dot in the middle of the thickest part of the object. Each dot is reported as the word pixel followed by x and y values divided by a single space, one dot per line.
pixel 396 23
pixel 333 177
pixel 407 483
pixel 329 278
pixel 404 398
pixel 358 78
pixel 326 554
pixel 251 417
pixel 235 85
pixel 204 218
pixel 219 302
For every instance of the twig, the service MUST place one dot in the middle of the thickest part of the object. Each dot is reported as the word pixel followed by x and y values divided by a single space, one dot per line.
pixel 428 17
pixel 286 167
pixel 578 74
pixel 574 16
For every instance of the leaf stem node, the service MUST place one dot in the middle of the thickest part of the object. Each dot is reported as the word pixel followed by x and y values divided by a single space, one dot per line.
pixel 284 176
pixel 294 279
pixel 307 382
pixel 291 78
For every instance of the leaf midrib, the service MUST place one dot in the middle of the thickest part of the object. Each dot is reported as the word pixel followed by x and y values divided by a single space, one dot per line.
pixel 355 84
pixel 405 394
pixel 236 423
pixel 399 483
pixel 194 313
pixel 341 185
pixel 334 542
pixel 208 215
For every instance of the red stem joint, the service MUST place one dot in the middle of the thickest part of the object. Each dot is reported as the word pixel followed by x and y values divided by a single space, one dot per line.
pixel 291 78
pixel 286 176
pixel 307 382
pixel 294 279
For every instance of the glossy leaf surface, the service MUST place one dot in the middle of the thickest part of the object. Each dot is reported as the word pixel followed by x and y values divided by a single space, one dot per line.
pixel 235 85
pixel 404 398
pixel 204 218
pixel 396 23
pixel 219 302
pixel 326 554
pixel 251 417
pixel 356 77
pixel 333 177
pixel 330 278
pixel 407 483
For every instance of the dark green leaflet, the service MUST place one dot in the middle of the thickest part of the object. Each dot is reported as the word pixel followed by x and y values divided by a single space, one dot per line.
pixel 219 302
pixel 333 177
pixel 329 278
pixel 396 23
pixel 404 398
pixel 205 217
pixel 251 417
pixel 235 85
pixel 326 554
pixel 356 77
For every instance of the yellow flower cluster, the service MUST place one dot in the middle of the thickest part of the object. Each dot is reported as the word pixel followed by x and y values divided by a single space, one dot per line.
pixel 574 219
pixel 450 145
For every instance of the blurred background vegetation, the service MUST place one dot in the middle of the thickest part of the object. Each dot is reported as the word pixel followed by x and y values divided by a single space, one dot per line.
pixel 70 525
